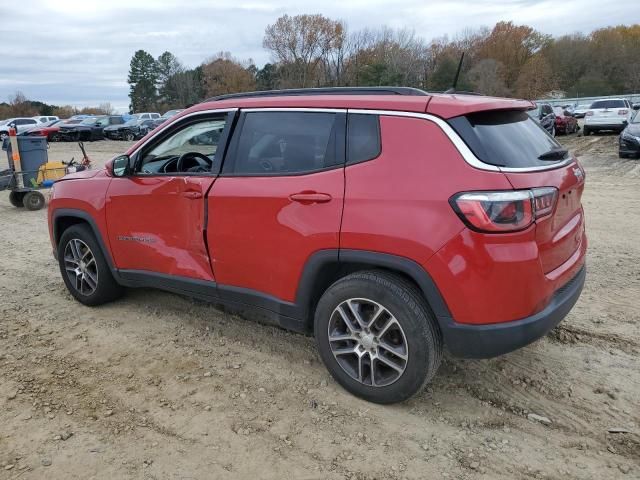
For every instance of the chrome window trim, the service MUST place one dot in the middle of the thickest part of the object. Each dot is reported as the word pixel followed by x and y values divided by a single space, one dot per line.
pixel 294 109
pixel 466 153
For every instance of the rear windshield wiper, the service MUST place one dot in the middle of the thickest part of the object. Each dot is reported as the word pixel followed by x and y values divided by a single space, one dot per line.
pixel 554 154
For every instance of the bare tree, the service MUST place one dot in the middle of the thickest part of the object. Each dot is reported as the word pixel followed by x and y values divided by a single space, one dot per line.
pixel 301 43
pixel 106 109
pixel 486 76
pixel 20 106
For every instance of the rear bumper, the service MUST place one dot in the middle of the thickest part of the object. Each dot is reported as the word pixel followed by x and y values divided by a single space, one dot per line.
pixel 606 125
pixel 486 341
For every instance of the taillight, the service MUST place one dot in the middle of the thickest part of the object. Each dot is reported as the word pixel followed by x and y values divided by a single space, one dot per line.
pixel 504 211
pixel 544 200
pixel 588 114
pixel 623 112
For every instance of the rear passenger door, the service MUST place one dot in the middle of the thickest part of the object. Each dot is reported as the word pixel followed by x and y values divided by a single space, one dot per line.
pixel 278 199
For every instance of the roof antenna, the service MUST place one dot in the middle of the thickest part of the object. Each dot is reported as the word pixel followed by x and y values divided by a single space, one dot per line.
pixel 455 80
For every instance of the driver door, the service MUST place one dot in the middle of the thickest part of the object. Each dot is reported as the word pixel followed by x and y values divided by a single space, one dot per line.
pixel 156 215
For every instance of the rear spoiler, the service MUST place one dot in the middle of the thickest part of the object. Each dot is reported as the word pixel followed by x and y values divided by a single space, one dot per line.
pixel 449 106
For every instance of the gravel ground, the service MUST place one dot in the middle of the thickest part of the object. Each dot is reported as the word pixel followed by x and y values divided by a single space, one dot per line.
pixel 160 386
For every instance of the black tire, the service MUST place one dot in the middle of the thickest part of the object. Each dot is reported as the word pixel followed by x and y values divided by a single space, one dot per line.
pixel 585 131
pixel 129 137
pixel 33 200
pixel 106 289
pixel 15 199
pixel 405 302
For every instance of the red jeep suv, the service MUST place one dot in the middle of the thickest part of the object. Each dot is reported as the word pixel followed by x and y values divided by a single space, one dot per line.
pixel 387 222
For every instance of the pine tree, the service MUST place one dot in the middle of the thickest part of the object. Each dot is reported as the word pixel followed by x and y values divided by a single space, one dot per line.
pixel 168 66
pixel 143 77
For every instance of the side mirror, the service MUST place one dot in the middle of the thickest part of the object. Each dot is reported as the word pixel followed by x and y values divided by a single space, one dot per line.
pixel 120 166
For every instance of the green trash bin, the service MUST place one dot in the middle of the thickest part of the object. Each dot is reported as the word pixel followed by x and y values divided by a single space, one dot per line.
pixel 33 154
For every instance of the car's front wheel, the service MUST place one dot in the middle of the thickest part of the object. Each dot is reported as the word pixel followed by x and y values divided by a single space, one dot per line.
pixel 84 269
pixel 377 337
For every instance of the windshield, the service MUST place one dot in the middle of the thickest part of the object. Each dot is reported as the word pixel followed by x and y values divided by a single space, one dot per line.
pixel 505 138
pixel 608 104
pixel 170 113
pixel 131 122
pixel 88 121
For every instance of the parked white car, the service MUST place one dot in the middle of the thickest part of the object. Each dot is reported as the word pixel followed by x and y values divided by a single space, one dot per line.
pixel 46 118
pixel 609 114
pixel 147 116
pixel 22 124
pixel 581 110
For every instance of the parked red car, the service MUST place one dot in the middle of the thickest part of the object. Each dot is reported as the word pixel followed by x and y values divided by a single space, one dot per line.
pixel 387 222
pixel 565 122
pixel 51 130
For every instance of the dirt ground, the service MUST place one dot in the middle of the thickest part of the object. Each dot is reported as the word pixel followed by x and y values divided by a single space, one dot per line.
pixel 158 386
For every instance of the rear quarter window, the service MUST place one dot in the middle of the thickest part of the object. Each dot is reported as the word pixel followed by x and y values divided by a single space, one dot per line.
pixel 363 137
pixel 510 139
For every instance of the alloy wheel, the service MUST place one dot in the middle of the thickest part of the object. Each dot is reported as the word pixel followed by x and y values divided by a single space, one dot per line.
pixel 81 267
pixel 368 342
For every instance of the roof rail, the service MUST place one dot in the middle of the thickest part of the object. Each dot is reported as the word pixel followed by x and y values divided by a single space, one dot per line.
pixel 459 92
pixel 323 91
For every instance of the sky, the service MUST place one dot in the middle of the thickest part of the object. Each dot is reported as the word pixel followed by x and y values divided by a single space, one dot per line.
pixel 70 52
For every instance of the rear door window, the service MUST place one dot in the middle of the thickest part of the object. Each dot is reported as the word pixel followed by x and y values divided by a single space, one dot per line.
pixel 287 143
pixel 505 138
pixel 608 104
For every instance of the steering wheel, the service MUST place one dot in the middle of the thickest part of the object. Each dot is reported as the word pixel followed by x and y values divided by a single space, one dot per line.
pixel 266 165
pixel 198 156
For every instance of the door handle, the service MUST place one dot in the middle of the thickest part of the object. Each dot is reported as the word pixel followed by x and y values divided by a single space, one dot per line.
pixel 192 195
pixel 310 197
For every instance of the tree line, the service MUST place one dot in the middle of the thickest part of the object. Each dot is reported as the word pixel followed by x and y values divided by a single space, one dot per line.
pixel 316 51
pixel 20 106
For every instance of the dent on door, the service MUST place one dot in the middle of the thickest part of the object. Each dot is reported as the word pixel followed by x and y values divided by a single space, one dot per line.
pixel 156 224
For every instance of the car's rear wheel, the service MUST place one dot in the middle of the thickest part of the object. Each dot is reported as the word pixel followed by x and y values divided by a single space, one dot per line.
pixel 84 269
pixel 377 337
pixel 586 131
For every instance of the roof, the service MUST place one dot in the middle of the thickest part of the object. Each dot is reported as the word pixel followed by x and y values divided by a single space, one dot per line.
pixel 441 105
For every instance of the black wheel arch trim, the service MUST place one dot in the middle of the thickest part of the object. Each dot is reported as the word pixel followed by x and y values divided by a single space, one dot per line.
pixel 60 213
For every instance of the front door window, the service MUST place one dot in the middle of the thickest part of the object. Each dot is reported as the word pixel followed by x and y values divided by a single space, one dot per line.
pixel 192 149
